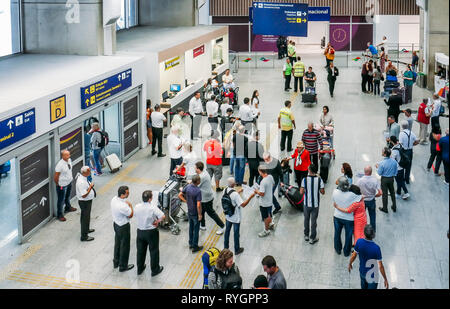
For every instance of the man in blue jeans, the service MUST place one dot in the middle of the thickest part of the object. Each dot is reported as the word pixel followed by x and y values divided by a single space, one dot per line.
pixel 344 198
pixel 96 146
pixel 369 260
pixel 370 188
pixel 63 180
pixel 192 196
pixel 240 152
pixel 235 219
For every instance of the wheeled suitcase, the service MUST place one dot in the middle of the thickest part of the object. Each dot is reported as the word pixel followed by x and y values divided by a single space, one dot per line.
pixel 113 162
pixel 293 195
pixel 325 162
pixel 310 95
pixel 390 84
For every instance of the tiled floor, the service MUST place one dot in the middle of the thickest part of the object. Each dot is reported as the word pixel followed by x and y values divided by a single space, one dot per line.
pixel 413 241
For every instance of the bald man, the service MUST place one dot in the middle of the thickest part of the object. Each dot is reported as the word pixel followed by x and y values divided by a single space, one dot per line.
pixel 63 180
pixel 370 188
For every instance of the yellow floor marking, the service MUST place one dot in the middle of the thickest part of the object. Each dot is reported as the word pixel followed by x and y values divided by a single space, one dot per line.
pixel 117 178
pixel 29 252
pixel 56 282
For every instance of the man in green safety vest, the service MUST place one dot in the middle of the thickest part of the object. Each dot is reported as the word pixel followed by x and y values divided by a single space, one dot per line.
pixel 291 52
pixel 299 71
pixel 287 73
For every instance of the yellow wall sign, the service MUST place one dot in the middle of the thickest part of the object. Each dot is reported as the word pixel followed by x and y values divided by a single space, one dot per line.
pixel 171 63
pixel 57 109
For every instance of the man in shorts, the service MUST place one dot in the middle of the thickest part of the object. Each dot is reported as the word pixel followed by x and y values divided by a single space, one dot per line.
pixel 265 199
pixel 214 153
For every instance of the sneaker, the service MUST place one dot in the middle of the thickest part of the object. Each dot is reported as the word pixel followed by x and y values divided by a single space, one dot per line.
pixel 271 226
pixel 313 241
pixel 239 251
pixel 405 196
pixel 219 189
pixel 306 238
pixel 428 169
pixel 219 231
pixel 398 195
pixel 446 182
pixel 196 249
pixel 203 228
pixel 264 233
pixel 98 174
pixel 437 174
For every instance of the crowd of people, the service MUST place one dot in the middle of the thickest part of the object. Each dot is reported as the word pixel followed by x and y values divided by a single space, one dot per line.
pixel 233 138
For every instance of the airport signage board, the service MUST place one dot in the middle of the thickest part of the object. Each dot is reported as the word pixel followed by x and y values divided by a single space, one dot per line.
pixel 130 111
pixel 57 109
pixel 287 19
pixel 101 90
pixel 17 127
pixel 131 141
pixel 33 170
pixel 171 63
pixel 73 142
pixel 35 209
pixel 199 51
pixel 319 13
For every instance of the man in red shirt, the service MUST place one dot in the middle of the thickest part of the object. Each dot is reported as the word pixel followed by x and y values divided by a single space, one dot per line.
pixel 214 152
pixel 301 163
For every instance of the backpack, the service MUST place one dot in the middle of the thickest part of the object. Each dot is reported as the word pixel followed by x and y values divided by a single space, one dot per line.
pixel 414 76
pixel 227 204
pixel 104 139
pixel 230 281
pixel 405 159
pixel 209 259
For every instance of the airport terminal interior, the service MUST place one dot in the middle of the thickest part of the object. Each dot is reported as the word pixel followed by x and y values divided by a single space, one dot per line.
pixel 72 70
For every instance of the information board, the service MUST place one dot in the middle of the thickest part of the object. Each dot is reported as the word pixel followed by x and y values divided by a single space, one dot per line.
pixel 131 141
pixel 35 209
pixel 17 127
pixel 73 142
pixel 288 19
pixel 57 109
pixel 105 88
pixel 319 13
pixel 130 111
pixel 33 169
pixel 75 170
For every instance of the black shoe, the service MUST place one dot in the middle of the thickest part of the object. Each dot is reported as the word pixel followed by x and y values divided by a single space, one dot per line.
pixel 383 210
pixel 276 211
pixel 140 271
pixel 91 231
pixel 158 271
pixel 161 155
pixel 70 209
pixel 196 249
pixel 87 239
pixel 239 251
pixel 115 265
pixel 191 247
pixel 153 152
pixel 289 150
pixel 339 253
pixel 394 209
pixel 130 266
pixel 219 189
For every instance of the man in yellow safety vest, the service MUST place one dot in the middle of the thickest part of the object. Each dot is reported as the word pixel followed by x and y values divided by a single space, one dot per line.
pixel 299 71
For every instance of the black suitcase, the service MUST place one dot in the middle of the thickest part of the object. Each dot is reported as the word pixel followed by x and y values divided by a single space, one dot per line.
pixel 389 84
pixel 293 195
pixel 308 98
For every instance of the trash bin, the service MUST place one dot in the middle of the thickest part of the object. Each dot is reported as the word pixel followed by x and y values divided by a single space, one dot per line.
pixel 421 80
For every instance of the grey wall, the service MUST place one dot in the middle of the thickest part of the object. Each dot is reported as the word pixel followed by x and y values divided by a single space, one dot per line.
pixel 167 13
pixel 46 29
pixel 437 33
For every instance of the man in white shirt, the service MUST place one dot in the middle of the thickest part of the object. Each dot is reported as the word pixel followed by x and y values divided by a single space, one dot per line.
pixel 408 140
pixel 344 198
pixel 436 111
pixel 370 188
pixel 157 129
pixel 122 212
pixel 196 112
pixel 228 80
pixel 225 106
pixel 383 43
pixel 175 146
pixel 234 220
pixel 85 194
pixel 246 115
pixel 63 180
pixel 212 110
pixel 148 216
pixel 265 193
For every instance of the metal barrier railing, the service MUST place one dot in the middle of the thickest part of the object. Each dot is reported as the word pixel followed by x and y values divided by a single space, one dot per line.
pixel 255 60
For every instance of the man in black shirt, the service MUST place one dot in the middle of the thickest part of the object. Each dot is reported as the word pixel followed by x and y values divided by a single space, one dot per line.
pixel 255 157
pixel 394 102
pixel 274 168
pixel 310 77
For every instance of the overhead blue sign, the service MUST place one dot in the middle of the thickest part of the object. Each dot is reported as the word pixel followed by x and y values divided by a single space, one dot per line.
pixel 319 13
pixel 17 128
pixel 288 19
pixel 105 88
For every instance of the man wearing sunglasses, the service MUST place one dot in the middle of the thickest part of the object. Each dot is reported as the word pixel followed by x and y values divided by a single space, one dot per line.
pixel 63 179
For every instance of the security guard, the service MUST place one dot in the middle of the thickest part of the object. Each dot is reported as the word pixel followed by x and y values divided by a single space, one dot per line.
pixel 122 212
pixel 292 54
pixel 299 71
pixel 148 216
pixel 287 72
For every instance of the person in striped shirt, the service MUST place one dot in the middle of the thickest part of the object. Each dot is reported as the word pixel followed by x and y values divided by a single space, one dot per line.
pixel 312 185
pixel 312 140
